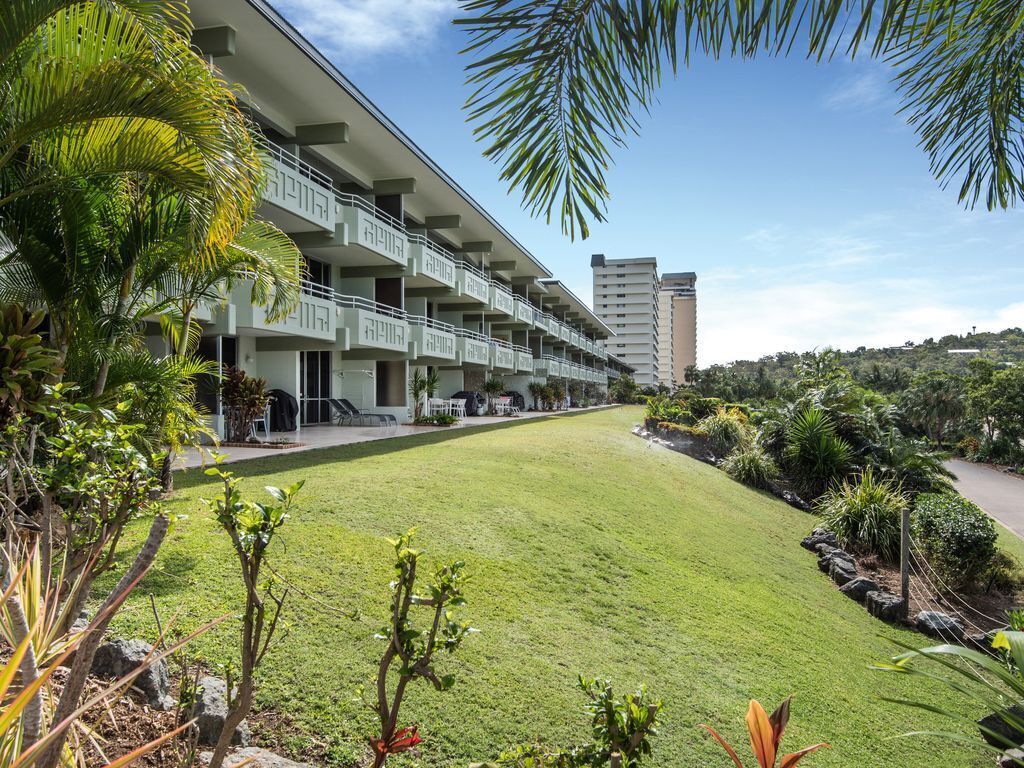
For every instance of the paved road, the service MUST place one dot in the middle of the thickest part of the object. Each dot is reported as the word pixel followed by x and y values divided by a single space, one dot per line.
pixel 999 494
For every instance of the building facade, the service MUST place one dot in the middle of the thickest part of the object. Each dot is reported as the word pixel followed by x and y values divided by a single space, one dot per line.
pixel 678 326
pixel 404 269
pixel 626 300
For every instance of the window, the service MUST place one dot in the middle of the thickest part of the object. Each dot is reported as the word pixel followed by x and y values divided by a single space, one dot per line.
pixel 620 295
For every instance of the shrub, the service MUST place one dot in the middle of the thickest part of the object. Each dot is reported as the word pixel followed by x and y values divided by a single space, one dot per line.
pixel 865 515
pixel 246 399
pixel 814 453
pixel 437 420
pixel 725 430
pixel 702 407
pixel 957 538
pixel 751 465
pixel 968 447
pixel 662 408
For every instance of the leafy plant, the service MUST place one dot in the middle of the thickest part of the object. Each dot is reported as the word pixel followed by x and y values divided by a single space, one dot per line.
pixel 493 388
pixel 751 465
pixel 536 390
pixel 624 390
pixel 417 389
pixel 865 514
pixel 438 419
pixel 957 538
pixel 246 399
pixel 766 734
pixel 251 525
pixel 432 382
pixel 26 365
pixel 557 394
pixel 725 429
pixel 411 650
pixel 813 452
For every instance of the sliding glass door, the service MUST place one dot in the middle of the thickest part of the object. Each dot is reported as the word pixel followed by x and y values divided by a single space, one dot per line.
pixel 316 388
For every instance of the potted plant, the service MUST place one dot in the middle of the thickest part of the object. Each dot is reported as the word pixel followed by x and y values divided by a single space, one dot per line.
pixel 246 398
pixel 493 388
pixel 417 389
pixel 536 390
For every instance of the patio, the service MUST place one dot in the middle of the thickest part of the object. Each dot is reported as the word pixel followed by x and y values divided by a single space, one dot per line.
pixel 329 435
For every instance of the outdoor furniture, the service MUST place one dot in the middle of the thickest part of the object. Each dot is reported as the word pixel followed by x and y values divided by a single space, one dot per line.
pixel 502 405
pixel 387 418
pixel 436 405
pixel 263 422
pixel 457 408
pixel 343 413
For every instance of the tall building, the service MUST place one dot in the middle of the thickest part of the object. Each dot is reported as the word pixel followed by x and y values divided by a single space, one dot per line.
pixel 626 300
pixel 677 330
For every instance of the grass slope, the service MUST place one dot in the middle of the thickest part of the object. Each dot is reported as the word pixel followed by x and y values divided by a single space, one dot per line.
pixel 592 553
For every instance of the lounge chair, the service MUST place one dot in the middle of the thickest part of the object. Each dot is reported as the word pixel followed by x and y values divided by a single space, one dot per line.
pixel 346 413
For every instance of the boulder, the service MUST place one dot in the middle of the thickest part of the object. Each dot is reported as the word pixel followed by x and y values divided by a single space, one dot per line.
pixel 118 658
pixel 842 571
pixel 858 588
pixel 211 710
pixel 825 561
pixel 1011 758
pixel 820 536
pixel 260 758
pixel 885 605
pixel 825 549
pixel 939 625
pixel 1010 734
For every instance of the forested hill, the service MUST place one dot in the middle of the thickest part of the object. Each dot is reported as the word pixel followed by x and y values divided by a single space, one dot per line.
pixel 1005 347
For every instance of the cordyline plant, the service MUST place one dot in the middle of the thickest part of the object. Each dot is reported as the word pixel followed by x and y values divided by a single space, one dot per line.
pixel 246 399
pixel 765 735
pixel 411 650
pixel 622 728
pixel 251 525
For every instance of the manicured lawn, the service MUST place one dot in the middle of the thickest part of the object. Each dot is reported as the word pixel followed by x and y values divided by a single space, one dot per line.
pixel 591 553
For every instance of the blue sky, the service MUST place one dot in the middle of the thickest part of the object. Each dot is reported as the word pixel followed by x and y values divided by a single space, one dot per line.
pixel 794 190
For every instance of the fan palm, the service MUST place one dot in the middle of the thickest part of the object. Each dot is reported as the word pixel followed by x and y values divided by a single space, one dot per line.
pixel 813 451
pixel 558 84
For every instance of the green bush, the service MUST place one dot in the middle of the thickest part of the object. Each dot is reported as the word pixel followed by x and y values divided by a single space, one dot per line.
pixel 865 515
pixel 956 537
pixel 663 408
pixel 725 430
pixel 702 407
pixel 751 465
pixel 968 447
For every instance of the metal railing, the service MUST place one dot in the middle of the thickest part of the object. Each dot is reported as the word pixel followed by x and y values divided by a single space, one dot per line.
pixel 358 302
pixel 471 267
pixel 301 167
pixel 430 322
pixel 524 350
pixel 429 244
pixel 319 291
pixel 355 201
pixel 467 334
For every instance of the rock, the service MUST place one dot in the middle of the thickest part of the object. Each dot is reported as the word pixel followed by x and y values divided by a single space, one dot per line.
pixel 939 625
pixel 1010 734
pixel 825 561
pixel 825 549
pixel 819 536
pixel 842 571
pixel 1011 758
pixel 858 588
pixel 118 658
pixel 261 758
pixel 81 623
pixel 210 711
pixel 885 605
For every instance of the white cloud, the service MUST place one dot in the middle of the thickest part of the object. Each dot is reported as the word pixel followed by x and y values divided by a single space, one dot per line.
pixel 357 28
pixel 861 90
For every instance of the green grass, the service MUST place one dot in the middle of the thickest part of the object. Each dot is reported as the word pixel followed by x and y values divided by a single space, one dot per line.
pixel 591 553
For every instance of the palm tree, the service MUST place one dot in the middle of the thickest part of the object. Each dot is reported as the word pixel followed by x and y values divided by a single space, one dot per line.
pixel 934 401
pixel 417 388
pixel 493 388
pixel 558 85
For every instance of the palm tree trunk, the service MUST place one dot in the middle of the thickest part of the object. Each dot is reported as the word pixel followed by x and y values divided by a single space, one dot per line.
pixel 127 281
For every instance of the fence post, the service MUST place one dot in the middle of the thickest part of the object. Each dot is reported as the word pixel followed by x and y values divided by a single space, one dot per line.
pixel 905 560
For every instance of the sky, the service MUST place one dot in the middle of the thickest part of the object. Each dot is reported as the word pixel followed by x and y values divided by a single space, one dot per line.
pixel 794 190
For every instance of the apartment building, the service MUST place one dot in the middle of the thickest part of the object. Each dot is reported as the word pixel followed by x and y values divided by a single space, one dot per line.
pixel 677 326
pixel 404 269
pixel 626 300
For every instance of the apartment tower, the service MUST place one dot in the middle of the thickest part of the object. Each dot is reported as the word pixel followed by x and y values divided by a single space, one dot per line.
pixel 677 328
pixel 626 295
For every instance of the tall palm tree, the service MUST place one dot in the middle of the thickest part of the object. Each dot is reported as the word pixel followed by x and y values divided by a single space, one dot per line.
pixel 559 83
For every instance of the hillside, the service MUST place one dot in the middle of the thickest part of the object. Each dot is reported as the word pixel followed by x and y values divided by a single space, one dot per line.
pixel 591 553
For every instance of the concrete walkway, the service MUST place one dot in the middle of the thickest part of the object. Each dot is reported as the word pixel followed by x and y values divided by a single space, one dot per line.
pixel 998 493
pixel 327 436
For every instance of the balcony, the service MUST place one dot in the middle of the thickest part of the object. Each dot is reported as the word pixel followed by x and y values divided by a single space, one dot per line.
pixel 372 229
pixel 564 332
pixel 315 316
pixel 472 348
pixel 501 300
pixel 524 360
pixel 301 191
pixel 502 356
pixel 471 281
pixel 430 338
pixel 367 324
pixel 524 312
pixel 431 260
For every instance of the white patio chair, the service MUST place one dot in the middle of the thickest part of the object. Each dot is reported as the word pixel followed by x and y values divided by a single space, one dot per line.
pixel 436 405
pixel 501 405
pixel 457 408
pixel 263 422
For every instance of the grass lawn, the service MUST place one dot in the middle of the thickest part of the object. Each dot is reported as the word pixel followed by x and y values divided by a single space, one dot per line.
pixel 591 553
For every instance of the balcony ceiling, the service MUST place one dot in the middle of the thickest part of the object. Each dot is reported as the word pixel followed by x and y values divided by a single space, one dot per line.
pixel 289 83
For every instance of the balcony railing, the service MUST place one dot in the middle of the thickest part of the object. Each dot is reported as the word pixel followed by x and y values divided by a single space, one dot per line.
pixel 373 229
pixel 299 188
pixel 431 337
pixel 524 312
pixel 371 324
pixel 430 259
pixel 313 317
pixel 474 347
pixel 473 281
pixel 501 299
pixel 503 356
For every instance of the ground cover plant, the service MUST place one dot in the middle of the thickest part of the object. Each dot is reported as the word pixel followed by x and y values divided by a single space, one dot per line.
pixel 670 575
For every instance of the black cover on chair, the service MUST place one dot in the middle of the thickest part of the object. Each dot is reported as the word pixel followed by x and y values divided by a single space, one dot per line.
pixel 283 410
